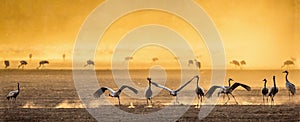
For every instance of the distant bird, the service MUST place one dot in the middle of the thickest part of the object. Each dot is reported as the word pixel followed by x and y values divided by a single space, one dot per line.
pixel 13 94
pixel 30 56
pixel 265 91
pixel 128 58
pixel 290 86
pixel 227 90
pixel 173 92
pixel 273 91
pixel 199 92
pixel 113 93
pixel 6 63
pixel 22 64
pixel 287 63
pixel 190 62
pixel 64 56
pixel 148 94
pixel 198 64
pixel 42 63
pixel 242 63
pixel 235 62
pixel 89 62
pixel 154 59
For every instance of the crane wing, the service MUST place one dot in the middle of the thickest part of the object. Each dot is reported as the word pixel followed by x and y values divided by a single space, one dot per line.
pixel 161 86
pixel 212 89
pixel 12 93
pixel 235 85
pixel 181 87
pixel 100 91
pixel 129 87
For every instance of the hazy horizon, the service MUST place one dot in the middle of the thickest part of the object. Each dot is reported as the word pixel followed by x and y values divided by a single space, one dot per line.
pixel 263 33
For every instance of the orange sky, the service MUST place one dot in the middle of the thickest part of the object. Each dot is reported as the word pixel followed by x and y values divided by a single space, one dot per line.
pixel 264 33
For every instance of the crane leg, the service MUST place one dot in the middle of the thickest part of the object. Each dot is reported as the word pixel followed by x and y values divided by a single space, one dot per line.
pixel 198 100
pixel 119 101
pixel 234 99
pixel 201 100
pixel 147 102
pixel 150 101
pixel 227 99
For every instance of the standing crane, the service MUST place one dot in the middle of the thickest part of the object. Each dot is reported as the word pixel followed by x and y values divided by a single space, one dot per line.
pixel 290 86
pixel 265 91
pixel 148 94
pixel 200 93
pixel 14 94
pixel 273 91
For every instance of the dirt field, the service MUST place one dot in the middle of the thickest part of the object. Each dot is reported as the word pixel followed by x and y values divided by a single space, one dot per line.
pixel 220 113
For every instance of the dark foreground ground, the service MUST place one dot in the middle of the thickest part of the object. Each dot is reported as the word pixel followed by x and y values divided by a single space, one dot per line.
pixel 242 113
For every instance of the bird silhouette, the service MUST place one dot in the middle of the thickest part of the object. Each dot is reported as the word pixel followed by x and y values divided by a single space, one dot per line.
pixel 227 90
pixel 290 86
pixel 42 63
pixel 173 92
pixel 273 91
pixel 89 62
pixel 265 91
pixel 148 94
pixel 22 64
pixel 287 63
pixel 6 63
pixel 13 94
pixel 113 93
pixel 235 62
pixel 190 62
pixel 200 92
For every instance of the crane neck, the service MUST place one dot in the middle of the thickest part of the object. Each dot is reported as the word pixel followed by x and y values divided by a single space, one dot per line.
pixel 18 87
pixel 286 77
pixel 197 82
pixel 229 83
pixel 265 84
pixel 274 81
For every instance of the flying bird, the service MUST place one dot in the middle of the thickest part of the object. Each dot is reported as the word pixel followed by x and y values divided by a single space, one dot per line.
pixel 199 91
pixel 13 94
pixel 42 63
pixel 173 92
pixel 22 64
pixel 290 86
pixel 113 93
pixel 273 91
pixel 265 91
pixel 227 90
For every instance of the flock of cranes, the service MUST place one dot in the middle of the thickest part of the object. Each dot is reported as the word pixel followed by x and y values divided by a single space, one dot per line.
pixel 226 90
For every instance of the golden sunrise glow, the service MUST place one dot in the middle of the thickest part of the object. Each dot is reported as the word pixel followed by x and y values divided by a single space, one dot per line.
pixel 263 33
